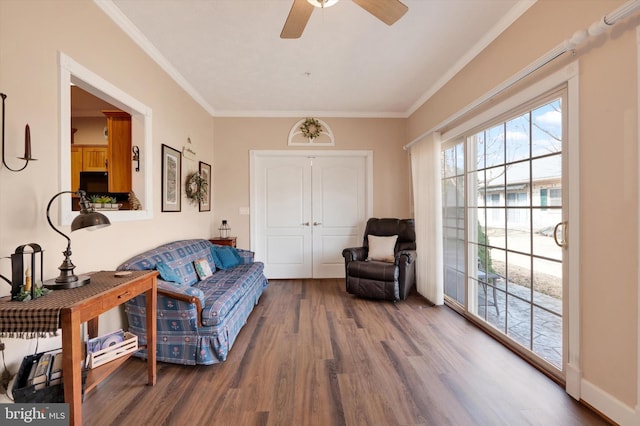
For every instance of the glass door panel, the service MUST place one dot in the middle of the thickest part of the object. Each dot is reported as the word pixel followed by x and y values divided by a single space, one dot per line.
pixel 514 200
pixel 454 224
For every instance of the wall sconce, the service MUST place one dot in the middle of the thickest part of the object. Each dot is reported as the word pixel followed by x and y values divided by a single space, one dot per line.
pixel 27 142
pixel 89 219
pixel 136 156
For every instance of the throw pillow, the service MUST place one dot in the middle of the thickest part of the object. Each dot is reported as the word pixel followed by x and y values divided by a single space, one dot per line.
pixel 382 248
pixel 202 268
pixel 167 274
pixel 216 259
pixel 228 257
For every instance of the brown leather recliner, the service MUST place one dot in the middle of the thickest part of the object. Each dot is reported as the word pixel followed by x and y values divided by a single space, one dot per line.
pixel 383 280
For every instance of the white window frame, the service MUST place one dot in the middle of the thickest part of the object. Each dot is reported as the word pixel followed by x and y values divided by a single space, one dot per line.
pixel 71 72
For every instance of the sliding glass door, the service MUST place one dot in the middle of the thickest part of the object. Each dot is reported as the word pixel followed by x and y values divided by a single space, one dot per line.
pixel 454 223
pixel 505 268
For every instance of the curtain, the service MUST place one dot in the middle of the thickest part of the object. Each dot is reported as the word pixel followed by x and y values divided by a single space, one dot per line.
pixel 427 201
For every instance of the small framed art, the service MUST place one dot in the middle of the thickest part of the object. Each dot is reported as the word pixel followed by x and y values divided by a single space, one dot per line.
pixel 205 172
pixel 171 176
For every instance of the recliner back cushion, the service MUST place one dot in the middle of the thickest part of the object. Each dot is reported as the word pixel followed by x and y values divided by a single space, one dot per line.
pixel 404 228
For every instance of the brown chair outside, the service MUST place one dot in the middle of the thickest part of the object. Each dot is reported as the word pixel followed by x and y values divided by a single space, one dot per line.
pixel 383 280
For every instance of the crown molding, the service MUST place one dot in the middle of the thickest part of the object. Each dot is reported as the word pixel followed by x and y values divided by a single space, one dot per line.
pixel 113 12
pixel 119 18
pixel 513 14
pixel 328 114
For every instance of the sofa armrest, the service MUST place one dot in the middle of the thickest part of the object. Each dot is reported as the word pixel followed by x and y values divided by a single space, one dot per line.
pixel 181 292
pixel 354 253
pixel 194 300
pixel 181 296
pixel 405 256
pixel 246 255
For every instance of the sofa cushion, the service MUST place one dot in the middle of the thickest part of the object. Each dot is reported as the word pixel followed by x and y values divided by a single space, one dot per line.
pixel 167 273
pixel 226 257
pixel 373 270
pixel 202 268
pixel 178 255
pixel 382 248
pixel 223 289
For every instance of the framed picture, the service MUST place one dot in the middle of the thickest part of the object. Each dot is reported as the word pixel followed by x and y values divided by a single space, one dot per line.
pixel 171 176
pixel 205 172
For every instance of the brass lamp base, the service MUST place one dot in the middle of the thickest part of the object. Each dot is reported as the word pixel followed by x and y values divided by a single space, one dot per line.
pixel 53 285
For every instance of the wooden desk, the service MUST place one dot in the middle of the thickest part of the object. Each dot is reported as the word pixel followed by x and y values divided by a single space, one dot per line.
pixel 68 309
pixel 229 241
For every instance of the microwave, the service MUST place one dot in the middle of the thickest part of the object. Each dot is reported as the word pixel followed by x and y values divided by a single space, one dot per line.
pixel 94 182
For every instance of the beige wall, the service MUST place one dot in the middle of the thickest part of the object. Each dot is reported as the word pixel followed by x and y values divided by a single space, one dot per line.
pixel 234 137
pixel 29 76
pixel 31 34
pixel 608 163
pixel 90 130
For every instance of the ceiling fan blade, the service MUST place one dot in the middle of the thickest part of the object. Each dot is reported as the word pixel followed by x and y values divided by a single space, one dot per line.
pixel 297 19
pixel 388 11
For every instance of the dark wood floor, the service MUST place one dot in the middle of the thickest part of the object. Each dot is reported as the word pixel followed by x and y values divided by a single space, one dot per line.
pixel 310 354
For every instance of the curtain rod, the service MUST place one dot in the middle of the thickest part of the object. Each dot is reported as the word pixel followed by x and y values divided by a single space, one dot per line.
pixel 576 39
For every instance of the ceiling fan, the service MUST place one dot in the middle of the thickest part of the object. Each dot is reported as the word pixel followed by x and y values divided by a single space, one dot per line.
pixel 388 11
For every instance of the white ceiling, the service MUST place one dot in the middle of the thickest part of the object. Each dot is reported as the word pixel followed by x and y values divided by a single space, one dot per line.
pixel 229 56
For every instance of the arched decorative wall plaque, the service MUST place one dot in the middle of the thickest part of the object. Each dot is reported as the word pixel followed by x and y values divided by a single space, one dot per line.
pixel 300 130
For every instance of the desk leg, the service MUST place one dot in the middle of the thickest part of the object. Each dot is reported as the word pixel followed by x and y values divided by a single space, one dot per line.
pixel 92 327
pixel 71 364
pixel 151 306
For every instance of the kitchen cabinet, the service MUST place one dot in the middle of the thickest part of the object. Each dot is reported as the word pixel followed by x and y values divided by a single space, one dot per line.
pixel 119 150
pixel 94 159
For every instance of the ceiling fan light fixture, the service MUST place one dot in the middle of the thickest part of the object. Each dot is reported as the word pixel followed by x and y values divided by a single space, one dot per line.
pixel 322 3
pixel 388 11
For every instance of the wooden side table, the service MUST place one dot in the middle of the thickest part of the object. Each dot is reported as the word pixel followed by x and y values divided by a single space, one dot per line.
pixel 68 309
pixel 229 241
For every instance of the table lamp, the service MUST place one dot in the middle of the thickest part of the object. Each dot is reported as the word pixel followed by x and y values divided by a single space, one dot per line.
pixel 87 219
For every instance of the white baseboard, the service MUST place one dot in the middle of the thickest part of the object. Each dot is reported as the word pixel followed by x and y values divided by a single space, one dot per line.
pixel 608 405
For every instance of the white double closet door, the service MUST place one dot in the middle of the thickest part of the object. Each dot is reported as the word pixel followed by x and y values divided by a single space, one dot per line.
pixel 306 207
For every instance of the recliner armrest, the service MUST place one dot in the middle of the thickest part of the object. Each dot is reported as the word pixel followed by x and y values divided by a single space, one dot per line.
pixel 408 256
pixel 354 253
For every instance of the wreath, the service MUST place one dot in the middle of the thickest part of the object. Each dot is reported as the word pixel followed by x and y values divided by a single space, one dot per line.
pixel 311 128
pixel 196 188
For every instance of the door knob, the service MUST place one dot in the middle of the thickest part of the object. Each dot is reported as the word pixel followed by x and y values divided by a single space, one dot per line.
pixel 305 224
pixel 317 223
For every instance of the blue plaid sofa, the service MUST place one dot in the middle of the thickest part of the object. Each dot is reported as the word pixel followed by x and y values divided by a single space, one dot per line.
pixel 197 320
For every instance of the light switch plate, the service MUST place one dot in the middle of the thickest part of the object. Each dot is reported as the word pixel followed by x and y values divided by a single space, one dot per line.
pixel 244 210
